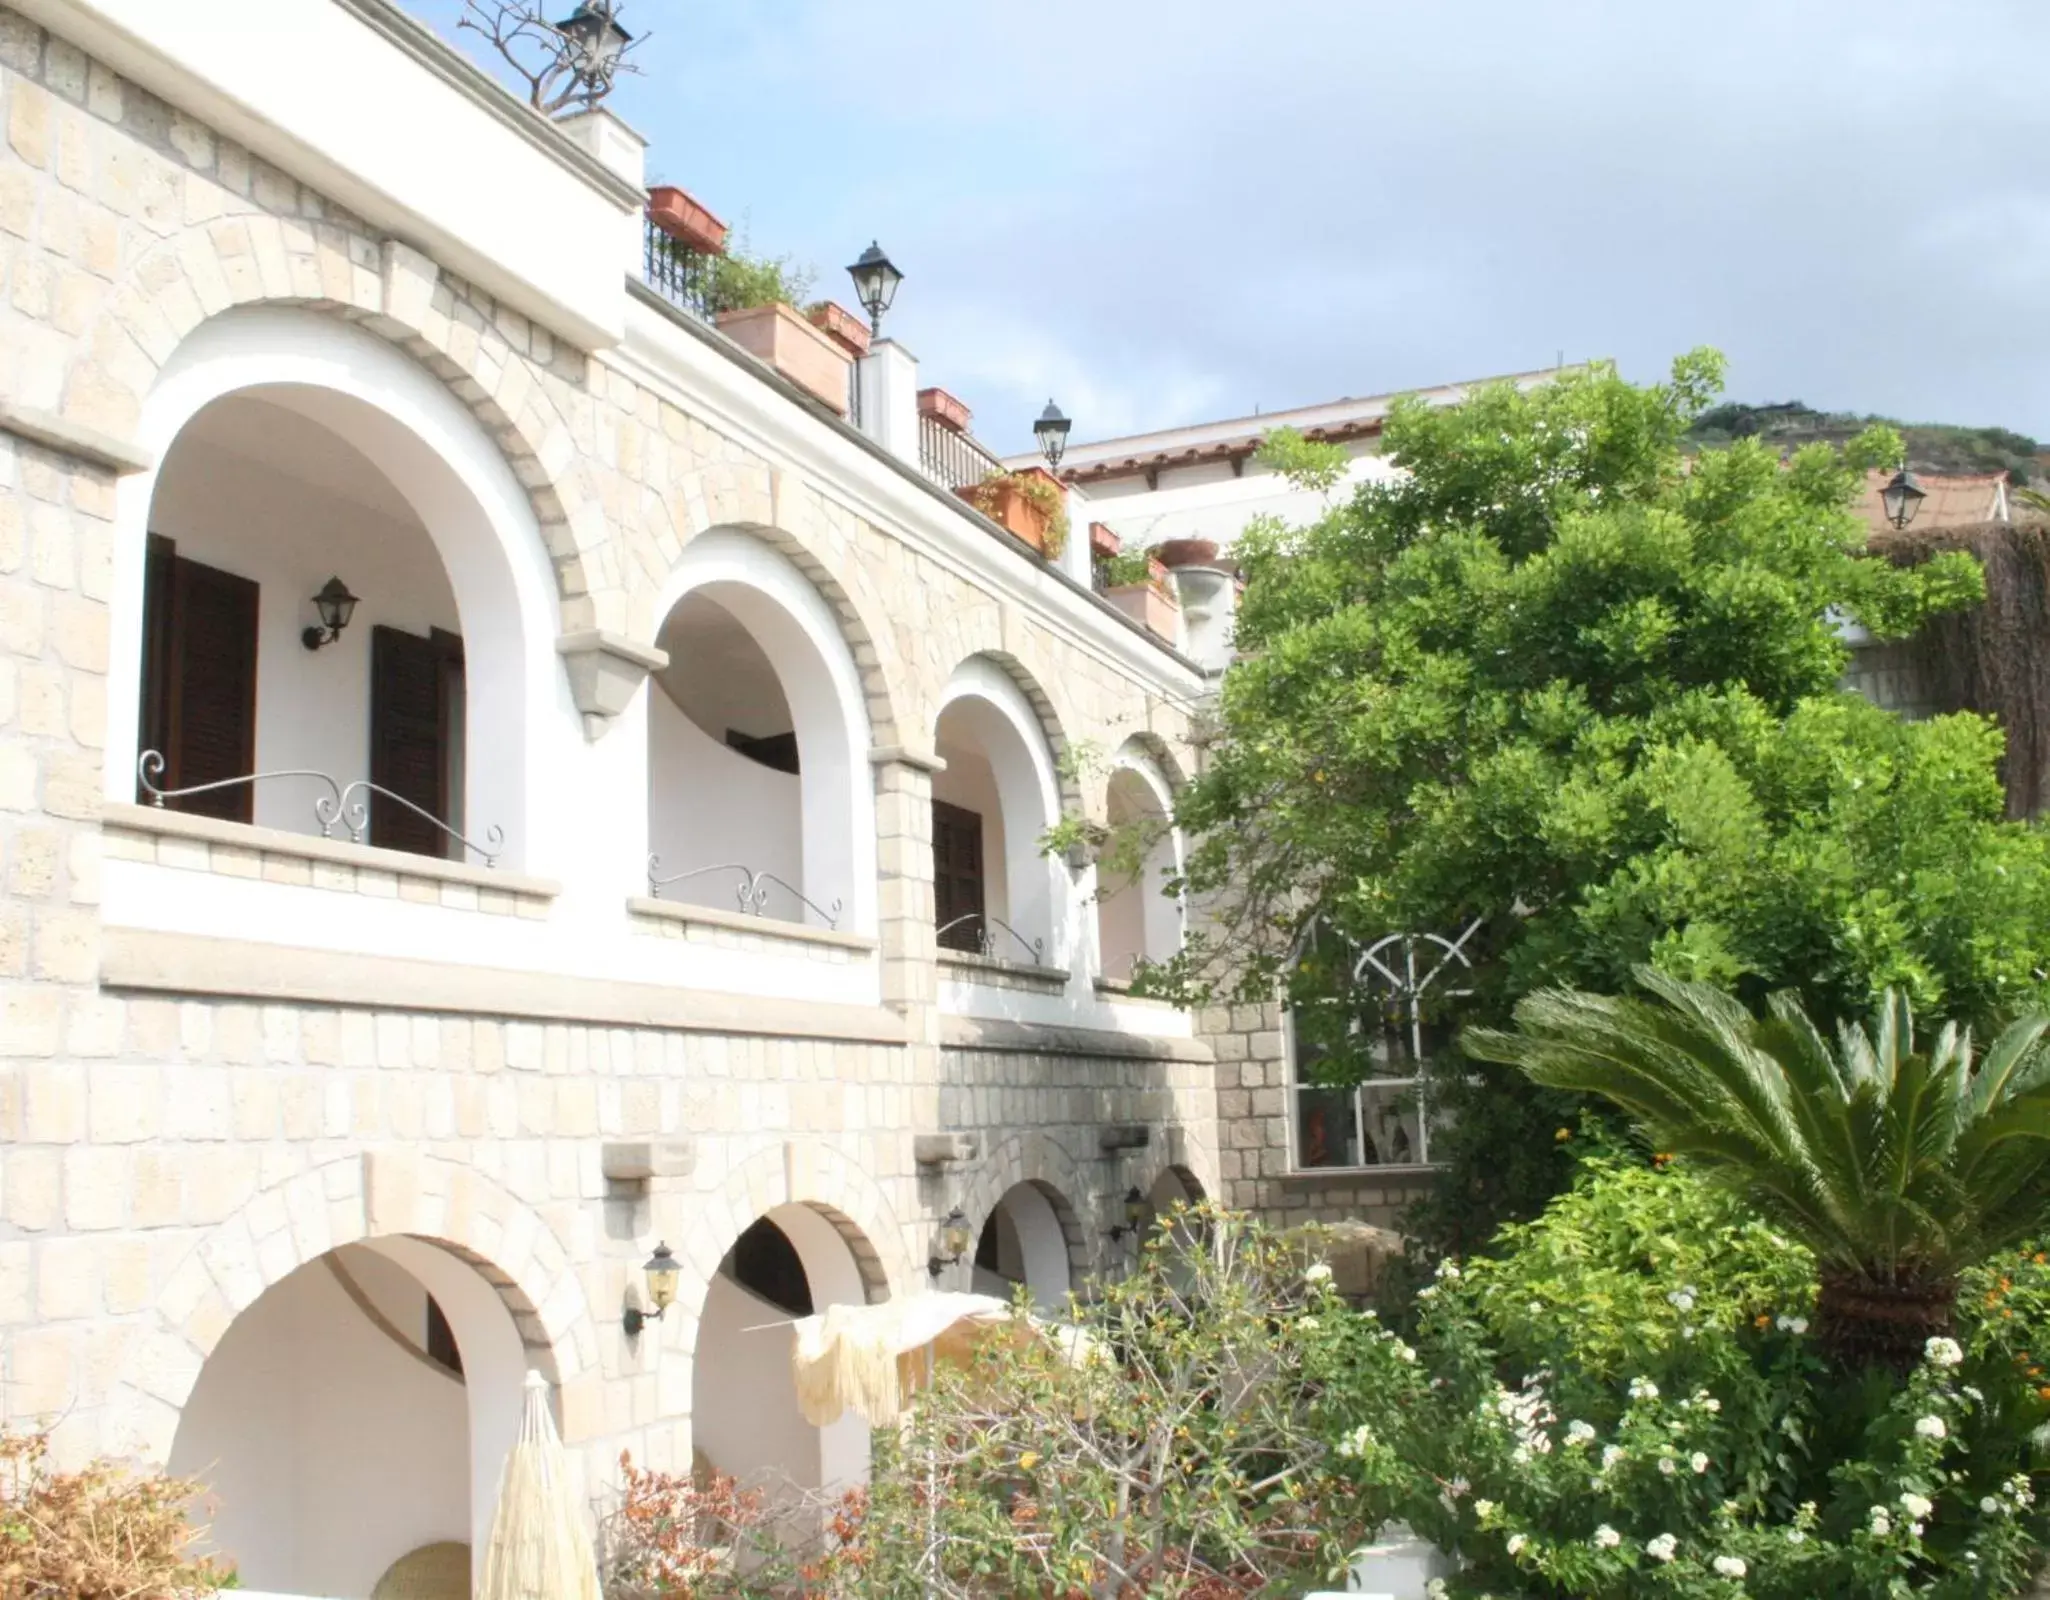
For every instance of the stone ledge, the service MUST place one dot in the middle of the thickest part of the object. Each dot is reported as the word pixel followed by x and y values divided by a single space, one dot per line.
pixel 1002 973
pixel 183 963
pixel 1120 990
pixel 1354 1177
pixel 74 439
pixel 1053 1039
pixel 155 823
pixel 770 930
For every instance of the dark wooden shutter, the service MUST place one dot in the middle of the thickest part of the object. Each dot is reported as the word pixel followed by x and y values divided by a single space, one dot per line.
pixel 957 874
pixel 199 679
pixel 409 737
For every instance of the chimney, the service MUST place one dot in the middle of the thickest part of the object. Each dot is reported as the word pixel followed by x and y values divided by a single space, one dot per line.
pixel 886 382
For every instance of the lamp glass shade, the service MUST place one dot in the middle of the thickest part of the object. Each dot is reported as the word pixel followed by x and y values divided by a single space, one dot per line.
pixel 875 280
pixel 1135 1208
pixel 1902 498
pixel 1051 430
pixel 662 1273
pixel 954 1240
pixel 335 605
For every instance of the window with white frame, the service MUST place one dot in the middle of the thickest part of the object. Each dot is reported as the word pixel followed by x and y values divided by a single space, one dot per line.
pixel 1398 1021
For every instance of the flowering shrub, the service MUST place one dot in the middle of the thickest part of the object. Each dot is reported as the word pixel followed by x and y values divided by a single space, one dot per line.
pixel 1626 1400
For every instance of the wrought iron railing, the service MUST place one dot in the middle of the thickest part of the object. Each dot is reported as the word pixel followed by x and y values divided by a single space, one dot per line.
pixel 952 460
pixel 854 393
pixel 680 275
pixel 985 937
pixel 750 891
pixel 344 805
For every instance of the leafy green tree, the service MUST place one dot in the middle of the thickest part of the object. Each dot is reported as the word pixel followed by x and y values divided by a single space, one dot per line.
pixel 1898 1167
pixel 1559 678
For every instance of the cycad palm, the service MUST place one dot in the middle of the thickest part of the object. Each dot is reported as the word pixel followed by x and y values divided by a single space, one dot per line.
pixel 1896 1166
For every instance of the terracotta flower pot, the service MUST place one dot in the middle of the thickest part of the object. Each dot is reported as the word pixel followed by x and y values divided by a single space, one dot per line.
pixel 778 335
pixel 944 409
pixel 1002 501
pixel 1102 542
pixel 1149 606
pixel 842 326
pixel 685 221
pixel 1186 552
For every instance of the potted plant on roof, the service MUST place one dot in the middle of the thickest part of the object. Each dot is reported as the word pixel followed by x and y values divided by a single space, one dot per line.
pixel 840 325
pixel 1187 552
pixel 754 299
pixel 1136 583
pixel 1029 502
pixel 684 220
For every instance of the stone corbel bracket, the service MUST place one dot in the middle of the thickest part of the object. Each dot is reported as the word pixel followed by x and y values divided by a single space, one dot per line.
pixel 938 1151
pixel 606 670
pixel 1120 1136
pixel 635 1164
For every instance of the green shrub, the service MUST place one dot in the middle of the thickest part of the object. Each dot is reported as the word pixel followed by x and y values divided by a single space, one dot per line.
pixel 1625 1398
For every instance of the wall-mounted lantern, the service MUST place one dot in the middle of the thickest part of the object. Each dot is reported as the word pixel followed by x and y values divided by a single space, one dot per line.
pixel 1051 430
pixel 661 1271
pixel 1902 497
pixel 953 1244
pixel 335 605
pixel 1135 1216
pixel 875 284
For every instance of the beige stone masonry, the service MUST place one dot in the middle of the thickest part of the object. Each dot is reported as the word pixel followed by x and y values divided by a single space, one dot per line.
pixel 994 972
pixel 237 850
pixel 734 930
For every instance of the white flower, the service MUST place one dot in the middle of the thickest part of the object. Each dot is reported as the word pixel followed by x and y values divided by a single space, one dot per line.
pixel 2020 1490
pixel 1698 1461
pixel 1611 1454
pixel 1435 1589
pixel 1943 1352
pixel 1310 1324
pixel 1916 1505
pixel 1404 1353
pixel 1793 1324
pixel 1991 1506
pixel 1974 1395
pixel 1681 1300
pixel 1661 1548
pixel 1730 1566
pixel 1516 1543
pixel 1606 1537
pixel 1484 1509
pixel 1578 1433
pixel 1796 1536
pixel 1320 1273
pixel 1882 1524
pixel 1668 1466
pixel 1449 1271
pixel 1711 1405
pixel 1643 1389
pixel 1931 1428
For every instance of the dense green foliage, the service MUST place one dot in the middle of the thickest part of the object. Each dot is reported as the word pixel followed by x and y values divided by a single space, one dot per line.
pixel 1625 1398
pixel 1897 1165
pixel 1559 678
pixel 1927 446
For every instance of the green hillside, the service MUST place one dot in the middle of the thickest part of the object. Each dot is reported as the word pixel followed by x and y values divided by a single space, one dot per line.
pixel 1932 446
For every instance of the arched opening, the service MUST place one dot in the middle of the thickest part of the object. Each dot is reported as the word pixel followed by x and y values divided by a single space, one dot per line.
pixel 1024 1241
pixel 994 890
pixel 355 1417
pixel 1136 918
pixel 295 450
pixel 745 1421
pixel 758 792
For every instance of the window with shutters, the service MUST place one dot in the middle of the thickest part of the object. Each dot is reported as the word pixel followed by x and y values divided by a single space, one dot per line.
pixel 415 701
pixel 199 679
pixel 957 876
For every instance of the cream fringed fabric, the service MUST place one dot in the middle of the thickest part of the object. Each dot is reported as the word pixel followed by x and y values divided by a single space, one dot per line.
pixel 540 1547
pixel 870 1359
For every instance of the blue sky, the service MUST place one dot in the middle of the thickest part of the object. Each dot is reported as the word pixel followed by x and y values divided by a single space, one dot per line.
pixel 1166 212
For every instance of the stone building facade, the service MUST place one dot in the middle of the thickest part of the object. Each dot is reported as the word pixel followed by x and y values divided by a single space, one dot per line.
pixel 315 1145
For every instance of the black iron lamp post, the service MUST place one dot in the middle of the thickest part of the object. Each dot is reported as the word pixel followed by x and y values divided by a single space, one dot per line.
pixel 1902 497
pixel 875 284
pixel 1051 430
pixel 661 1271
pixel 953 1244
pixel 596 44
pixel 335 605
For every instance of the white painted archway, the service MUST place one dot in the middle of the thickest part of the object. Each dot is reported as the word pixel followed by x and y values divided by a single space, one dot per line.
pixel 831 853
pixel 331 1442
pixel 1135 916
pixel 521 727
pixel 1023 1241
pixel 1001 767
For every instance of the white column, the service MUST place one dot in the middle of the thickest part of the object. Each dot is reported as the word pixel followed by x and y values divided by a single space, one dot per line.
pixel 888 378
pixel 1209 599
pixel 619 149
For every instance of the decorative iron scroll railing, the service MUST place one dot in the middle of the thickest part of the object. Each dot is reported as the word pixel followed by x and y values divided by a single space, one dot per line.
pixel 985 937
pixel 751 891
pixel 952 460
pixel 344 805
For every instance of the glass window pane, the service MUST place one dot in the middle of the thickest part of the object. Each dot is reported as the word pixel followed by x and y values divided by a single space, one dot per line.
pixel 1394 1132
pixel 1327 1128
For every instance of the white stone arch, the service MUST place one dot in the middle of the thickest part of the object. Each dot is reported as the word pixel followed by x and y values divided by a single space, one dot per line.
pixel 1134 915
pixel 995 714
pixel 806 645
pixel 440 459
pixel 1033 1162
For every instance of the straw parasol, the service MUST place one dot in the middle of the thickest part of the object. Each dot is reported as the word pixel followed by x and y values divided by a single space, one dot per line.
pixel 869 1359
pixel 540 1547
